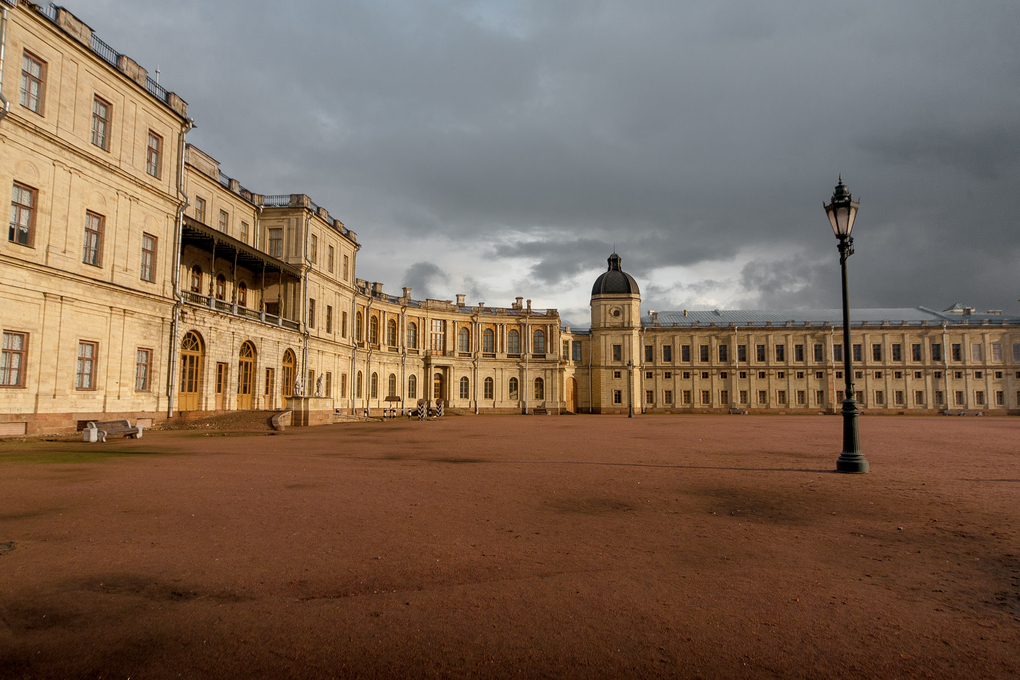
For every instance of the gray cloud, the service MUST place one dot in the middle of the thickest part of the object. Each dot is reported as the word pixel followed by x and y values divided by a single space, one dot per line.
pixel 684 133
pixel 426 279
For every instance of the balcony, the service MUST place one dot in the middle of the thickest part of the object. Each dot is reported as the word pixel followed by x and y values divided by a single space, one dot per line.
pixel 210 302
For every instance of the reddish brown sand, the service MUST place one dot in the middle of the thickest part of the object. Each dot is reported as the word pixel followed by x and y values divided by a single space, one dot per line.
pixel 579 547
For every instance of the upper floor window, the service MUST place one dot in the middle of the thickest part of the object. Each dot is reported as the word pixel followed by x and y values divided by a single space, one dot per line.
pixel 153 154
pixel 92 248
pixel 538 342
pixel 196 279
pixel 391 333
pixel 463 340
pixel 276 242
pixel 345 267
pixel 242 294
pixel 22 215
pixel 513 342
pixel 148 257
pixel 200 209
pixel 33 73
pixel 224 221
pixel 412 332
pixel 438 335
pixel 221 287
pixel 101 111
pixel 244 232
pixel 488 341
pixel 357 327
pixel 373 330
pixel 314 247
pixel 329 260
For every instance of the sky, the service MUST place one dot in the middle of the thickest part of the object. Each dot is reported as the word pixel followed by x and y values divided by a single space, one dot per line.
pixel 506 148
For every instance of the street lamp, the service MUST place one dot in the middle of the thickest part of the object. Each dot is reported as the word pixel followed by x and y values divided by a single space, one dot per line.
pixel 842 211
pixel 630 389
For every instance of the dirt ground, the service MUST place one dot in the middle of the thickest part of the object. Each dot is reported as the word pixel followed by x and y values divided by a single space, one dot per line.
pixel 573 547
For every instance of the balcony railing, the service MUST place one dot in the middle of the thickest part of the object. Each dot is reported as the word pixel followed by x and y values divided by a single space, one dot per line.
pixel 212 303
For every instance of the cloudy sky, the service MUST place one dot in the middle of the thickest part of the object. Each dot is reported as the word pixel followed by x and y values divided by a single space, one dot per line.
pixel 503 148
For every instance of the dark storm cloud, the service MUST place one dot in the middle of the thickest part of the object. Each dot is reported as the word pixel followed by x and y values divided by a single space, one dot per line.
pixel 425 279
pixel 684 133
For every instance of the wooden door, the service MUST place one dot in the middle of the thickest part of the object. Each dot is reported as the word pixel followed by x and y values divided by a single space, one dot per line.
pixel 245 377
pixel 191 371
pixel 571 395
pixel 221 385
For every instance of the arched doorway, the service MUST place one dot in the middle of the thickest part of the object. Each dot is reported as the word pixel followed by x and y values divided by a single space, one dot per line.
pixel 289 362
pixel 191 371
pixel 437 387
pixel 245 376
pixel 572 395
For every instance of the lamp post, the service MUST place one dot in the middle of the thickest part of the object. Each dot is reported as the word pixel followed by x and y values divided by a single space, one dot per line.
pixel 842 210
pixel 630 389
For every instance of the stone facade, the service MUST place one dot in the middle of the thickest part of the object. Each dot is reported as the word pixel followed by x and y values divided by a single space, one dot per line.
pixel 142 282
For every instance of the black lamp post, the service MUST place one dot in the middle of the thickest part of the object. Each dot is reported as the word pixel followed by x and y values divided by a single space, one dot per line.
pixel 842 211
pixel 630 389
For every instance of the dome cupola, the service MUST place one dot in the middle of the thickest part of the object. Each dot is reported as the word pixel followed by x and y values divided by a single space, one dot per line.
pixel 615 281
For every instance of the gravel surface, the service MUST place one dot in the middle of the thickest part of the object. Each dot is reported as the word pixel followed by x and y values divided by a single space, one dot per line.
pixel 584 547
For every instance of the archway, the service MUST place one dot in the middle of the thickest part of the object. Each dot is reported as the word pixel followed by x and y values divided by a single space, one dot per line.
pixel 245 376
pixel 191 371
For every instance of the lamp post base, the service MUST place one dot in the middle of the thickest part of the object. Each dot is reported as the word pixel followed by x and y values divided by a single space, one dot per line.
pixel 852 463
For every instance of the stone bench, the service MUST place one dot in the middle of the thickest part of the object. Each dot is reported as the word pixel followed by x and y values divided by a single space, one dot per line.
pixel 98 431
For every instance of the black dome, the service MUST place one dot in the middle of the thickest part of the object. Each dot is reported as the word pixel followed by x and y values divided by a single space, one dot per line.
pixel 615 281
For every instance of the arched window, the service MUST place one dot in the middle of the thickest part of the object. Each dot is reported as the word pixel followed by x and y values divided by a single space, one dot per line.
pixel 539 389
pixel 221 287
pixel 465 391
pixel 538 346
pixel 487 386
pixel 242 294
pixel 488 341
pixel 391 387
pixel 196 279
pixel 357 328
pixel 513 342
pixel 357 385
pixel 391 333
pixel 288 374
pixel 412 387
pixel 373 330
pixel 412 335
pixel 463 340
pixel 514 393
pixel 375 386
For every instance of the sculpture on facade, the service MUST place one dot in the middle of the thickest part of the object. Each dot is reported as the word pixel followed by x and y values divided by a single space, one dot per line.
pixel 318 387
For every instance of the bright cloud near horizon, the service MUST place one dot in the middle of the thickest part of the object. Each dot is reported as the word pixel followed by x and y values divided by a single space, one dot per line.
pixel 505 148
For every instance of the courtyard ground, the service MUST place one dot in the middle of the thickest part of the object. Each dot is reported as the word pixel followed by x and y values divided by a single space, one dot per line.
pixel 574 547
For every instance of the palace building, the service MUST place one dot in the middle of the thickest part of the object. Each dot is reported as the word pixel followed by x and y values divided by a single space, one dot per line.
pixel 142 282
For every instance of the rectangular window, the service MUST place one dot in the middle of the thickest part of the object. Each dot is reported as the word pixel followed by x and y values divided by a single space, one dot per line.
pixel 345 267
pixel 687 396
pixel 224 221
pixel 667 397
pixel 276 242
pixel 938 397
pixel 798 352
pixel 200 209
pixel 918 398
pixel 780 353
pixel 101 111
pixel 667 353
pixel 86 370
pixel 566 349
pixel 148 257
pixel 759 353
pixel 897 352
pixel 724 353
pixel 33 74
pixel 12 359
pixel 667 375
pixel 915 351
pixel 649 353
pixel 575 347
pixel 742 353
pixel 329 260
pixel 781 396
pixel 685 353
pixel 977 351
pixel 143 359
pixel 343 387
pixel 957 350
pixel 329 385
pixel 879 397
pixel 311 313
pixel 979 398
pixel 616 375
pixel 244 232
pixel 801 397
pixel 858 352
pixel 837 353
pixel 878 374
pixel 959 397
pixel 438 335
pixel 1000 398
pixel 706 396
pixel 819 397
pixel 617 396
pixel 22 230
pixel 617 352
pixel 649 397
pixel 1016 351
pixel 996 351
pixel 92 248
pixel 819 353
pixel 649 375
pixel 979 374
pixel 221 378
pixel 724 397
pixel 876 352
pixel 763 397
pixel 153 154
pixel 898 398
pixel 343 325
pixel 703 353
pixel 329 318
pixel 704 375
pixel 269 384
pixel 314 248
pixel 743 396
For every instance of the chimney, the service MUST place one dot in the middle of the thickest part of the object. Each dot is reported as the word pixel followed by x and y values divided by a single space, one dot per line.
pixel 376 289
pixel 685 313
pixel 529 305
pixel 655 316
pixel 460 300
pixel 407 291
pixel 518 304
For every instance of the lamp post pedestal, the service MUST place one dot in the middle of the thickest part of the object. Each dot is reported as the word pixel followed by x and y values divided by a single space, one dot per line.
pixel 851 460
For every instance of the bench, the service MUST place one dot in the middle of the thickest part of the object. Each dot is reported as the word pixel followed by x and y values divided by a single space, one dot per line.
pixel 98 431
